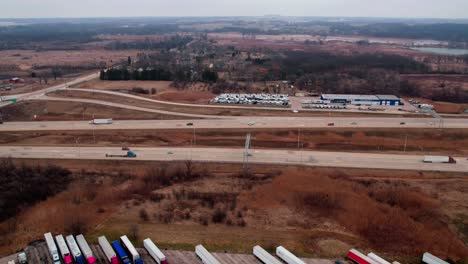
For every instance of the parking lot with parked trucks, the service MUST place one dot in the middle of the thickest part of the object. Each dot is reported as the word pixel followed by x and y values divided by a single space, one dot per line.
pixel 75 249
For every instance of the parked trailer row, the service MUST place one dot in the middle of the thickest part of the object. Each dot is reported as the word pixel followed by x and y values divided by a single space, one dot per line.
pixel 261 99
pixel 359 258
pixel 205 256
pixel 321 106
pixel 75 251
pixel 64 251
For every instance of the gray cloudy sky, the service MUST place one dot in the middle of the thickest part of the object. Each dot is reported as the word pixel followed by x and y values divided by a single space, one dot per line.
pixel 109 8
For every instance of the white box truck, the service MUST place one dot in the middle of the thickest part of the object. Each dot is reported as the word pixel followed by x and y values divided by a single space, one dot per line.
pixel 85 249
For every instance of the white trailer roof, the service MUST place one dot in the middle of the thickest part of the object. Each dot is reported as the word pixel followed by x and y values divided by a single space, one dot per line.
pixel 87 252
pixel 287 256
pixel 431 259
pixel 154 251
pixel 435 159
pixel 129 247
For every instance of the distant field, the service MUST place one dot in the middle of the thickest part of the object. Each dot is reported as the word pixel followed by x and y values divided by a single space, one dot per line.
pixel 23 62
pixel 61 111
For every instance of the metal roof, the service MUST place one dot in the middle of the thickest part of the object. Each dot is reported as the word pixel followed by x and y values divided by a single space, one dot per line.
pixel 350 97
pixel 387 97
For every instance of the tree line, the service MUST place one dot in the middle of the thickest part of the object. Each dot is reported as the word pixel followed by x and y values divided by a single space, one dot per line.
pixel 24 185
pixel 147 44
pixel 157 74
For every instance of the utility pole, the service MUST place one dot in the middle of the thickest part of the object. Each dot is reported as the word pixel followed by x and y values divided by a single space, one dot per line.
pixel 298 137
pixel 406 141
pixel 245 161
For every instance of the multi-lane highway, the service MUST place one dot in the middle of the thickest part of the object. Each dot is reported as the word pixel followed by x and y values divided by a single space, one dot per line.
pixel 260 156
pixel 241 122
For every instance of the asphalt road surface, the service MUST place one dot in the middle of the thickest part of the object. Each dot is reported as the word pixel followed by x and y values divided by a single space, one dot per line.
pixel 232 155
pixel 242 122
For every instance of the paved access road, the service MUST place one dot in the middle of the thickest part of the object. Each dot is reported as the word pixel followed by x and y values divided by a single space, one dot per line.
pixel 241 122
pixel 263 156
pixel 40 93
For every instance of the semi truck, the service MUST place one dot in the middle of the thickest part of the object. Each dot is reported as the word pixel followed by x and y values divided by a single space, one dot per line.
pixel 264 256
pixel 64 251
pixel 154 251
pixel 121 254
pixel 75 250
pixel 136 259
pixel 377 259
pixel 128 154
pixel 52 248
pixel 359 258
pixel 205 256
pixel 85 249
pixel 106 121
pixel 108 251
pixel 428 258
pixel 439 159
pixel 287 256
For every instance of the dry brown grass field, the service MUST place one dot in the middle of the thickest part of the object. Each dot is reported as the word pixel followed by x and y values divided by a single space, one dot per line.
pixel 313 211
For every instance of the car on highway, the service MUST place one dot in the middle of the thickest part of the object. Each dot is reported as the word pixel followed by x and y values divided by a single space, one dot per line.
pixel 190 124
pixel 402 123
pixel 331 124
pixel 170 153
pixel 251 123
pixel 295 111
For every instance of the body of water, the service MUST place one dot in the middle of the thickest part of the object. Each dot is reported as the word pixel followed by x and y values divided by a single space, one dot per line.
pixel 445 51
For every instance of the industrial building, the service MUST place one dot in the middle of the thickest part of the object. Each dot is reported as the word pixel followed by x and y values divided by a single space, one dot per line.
pixel 358 99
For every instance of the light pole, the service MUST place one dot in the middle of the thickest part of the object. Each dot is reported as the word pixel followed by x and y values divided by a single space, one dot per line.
pixel 77 143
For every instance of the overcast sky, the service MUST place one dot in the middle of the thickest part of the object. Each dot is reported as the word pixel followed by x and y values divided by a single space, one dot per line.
pixel 353 8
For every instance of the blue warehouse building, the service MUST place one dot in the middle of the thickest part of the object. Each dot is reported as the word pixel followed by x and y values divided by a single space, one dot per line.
pixel 359 99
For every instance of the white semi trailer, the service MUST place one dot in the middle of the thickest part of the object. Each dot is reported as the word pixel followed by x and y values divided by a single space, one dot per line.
pixel 205 256
pixel 108 250
pixel 64 251
pixel 75 250
pixel 377 259
pixel 264 256
pixel 85 249
pixel 106 121
pixel 287 256
pixel 431 259
pixel 154 251
pixel 52 248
